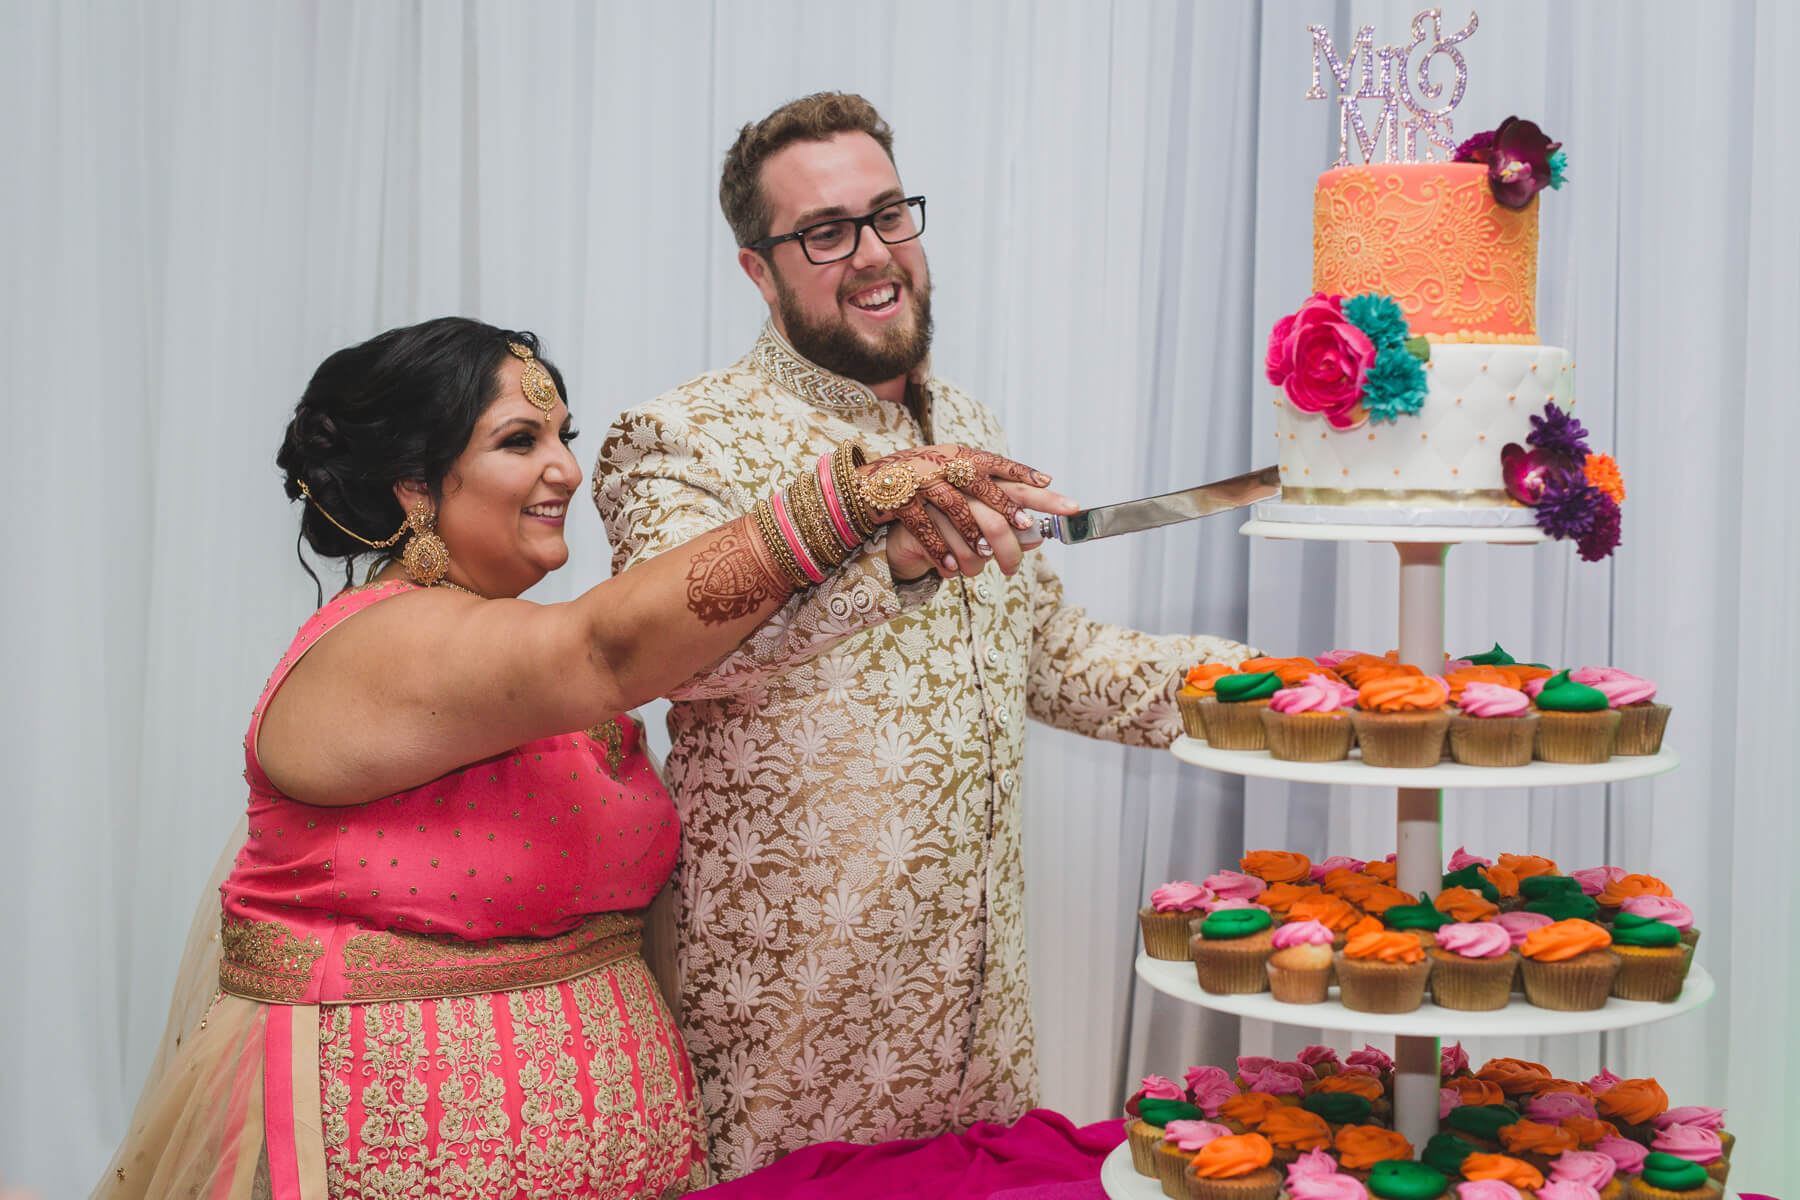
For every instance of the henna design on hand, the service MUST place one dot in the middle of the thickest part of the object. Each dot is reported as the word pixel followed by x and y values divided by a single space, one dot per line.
pixel 932 466
pixel 731 578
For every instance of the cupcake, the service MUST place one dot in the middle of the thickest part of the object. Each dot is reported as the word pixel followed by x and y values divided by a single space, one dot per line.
pixel 1518 926
pixel 1277 866
pixel 1553 1108
pixel 1666 1177
pixel 1337 862
pixel 1382 972
pixel 1294 1131
pixel 1504 1168
pixel 1593 880
pixel 1322 1059
pixel 1652 959
pixel 1466 904
pixel 1671 912
pixel 1360 1147
pixel 1453 1062
pixel 1588 1167
pixel 1377 1063
pixel 1699 1118
pixel 1632 1105
pixel 1568 966
pixel 1536 1142
pixel 1493 726
pixel 1472 967
pixel 1400 1179
pixel 1208 1088
pixel 1401 721
pixel 1421 919
pixel 1300 966
pixel 1246 1111
pixel 1480 1124
pixel 1159 1101
pixel 1231 951
pixel 1181 1141
pixel 1165 920
pixel 1590 1131
pixel 1575 725
pixel 1612 897
pixel 1233 716
pixel 1694 1144
pixel 1235 1167
pixel 1326 1186
pixel 1627 1156
pixel 1641 719
pixel 1515 1077
pixel 1196 687
pixel 1476 1091
pixel 1310 722
pixel 1334 914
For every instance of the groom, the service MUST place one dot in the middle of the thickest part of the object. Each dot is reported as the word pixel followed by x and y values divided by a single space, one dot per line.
pixel 852 896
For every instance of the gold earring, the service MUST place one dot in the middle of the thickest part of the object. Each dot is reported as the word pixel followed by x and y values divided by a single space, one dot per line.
pixel 425 557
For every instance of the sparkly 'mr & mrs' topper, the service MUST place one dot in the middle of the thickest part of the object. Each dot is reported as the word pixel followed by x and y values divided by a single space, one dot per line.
pixel 1388 76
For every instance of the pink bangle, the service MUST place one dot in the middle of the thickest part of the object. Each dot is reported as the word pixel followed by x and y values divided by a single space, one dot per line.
pixel 778 502
pixel 839 521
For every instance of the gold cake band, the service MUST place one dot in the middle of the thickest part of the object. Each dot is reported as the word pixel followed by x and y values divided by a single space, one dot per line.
pixel 1400 497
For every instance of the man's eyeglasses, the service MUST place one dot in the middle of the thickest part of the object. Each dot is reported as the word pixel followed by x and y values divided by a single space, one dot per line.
pixel 835 240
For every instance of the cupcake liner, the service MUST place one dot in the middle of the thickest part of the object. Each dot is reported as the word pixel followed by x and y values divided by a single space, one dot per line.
pixel 1472 984
pixel 1231 966
pixel 1493 741
pixel 1641 728
pixel 1370 985
pixel 1189 707
pixel 1402 739
pixel 1264 1183
pixel 1143 1138
pixel 1565 737
pixel 1234 726
pixel 1299 985
pixel 1578 984
pixel 1307 737
pixel 1650 974
pixel 1637 1189
pixel 1166 933
pixel 1170 1163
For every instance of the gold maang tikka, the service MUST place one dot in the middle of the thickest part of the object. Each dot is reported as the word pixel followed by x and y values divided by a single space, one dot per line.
pixel 540 389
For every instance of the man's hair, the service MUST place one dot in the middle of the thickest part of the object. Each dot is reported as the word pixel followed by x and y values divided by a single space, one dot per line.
pixel 809 119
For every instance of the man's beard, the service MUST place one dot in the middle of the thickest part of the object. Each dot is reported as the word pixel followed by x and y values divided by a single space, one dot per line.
pixel 834 345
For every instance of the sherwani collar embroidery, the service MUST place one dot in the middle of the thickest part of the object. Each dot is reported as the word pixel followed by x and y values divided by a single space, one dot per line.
pixel 780 363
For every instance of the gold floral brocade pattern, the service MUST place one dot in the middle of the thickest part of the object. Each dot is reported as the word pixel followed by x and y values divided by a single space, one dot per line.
pixel 851 879
pixel 265 960
pixel 577 1089
pixel 384 965
pixel 1432 237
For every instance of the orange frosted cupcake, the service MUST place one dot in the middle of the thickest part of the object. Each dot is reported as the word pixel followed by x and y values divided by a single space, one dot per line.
pixel 1476 1092
pixel 1568 965
pixel 1536 1142
pixel 1246 1111
pixel 1294 1131
pixel 1181 1140
pixel 1198 686
pixel 1515 1077
pixel 1463 904
pixel 1280 898
pixel 1504 1167
pixel 1232 716
pixel 1360 1147
pixel 1382 971
pixel 1633 1105
pixel 1401 721
pixel 1334 914
pixel 1277 866
pixel 1234 1168
pixel 1290 670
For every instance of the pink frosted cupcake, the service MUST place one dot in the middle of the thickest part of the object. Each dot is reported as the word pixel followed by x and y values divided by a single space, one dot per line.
pixel 1472 966
pixel 1208 1088
pixel 1493 726
pixel 1300 967
pixel 1322 1059
pixel 1165 919
pixel 1695 1145
pixel 1588 1167
pixel 1700 1118
pixel 1627 1156
pixel 1593 880
pixel 1518 926
pixel 1641 719
pixel 1462 858
pixel 1321 1186
pixel 1310 722
pixel 1234 885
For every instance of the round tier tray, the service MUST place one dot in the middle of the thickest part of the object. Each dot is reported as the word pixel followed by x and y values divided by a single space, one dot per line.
pixel 1121 1182
pixel 1502 535
pixel 1428 1020
pixel 1351 771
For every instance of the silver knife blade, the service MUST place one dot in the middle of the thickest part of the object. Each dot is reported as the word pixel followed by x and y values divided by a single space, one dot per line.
pixel 1152 512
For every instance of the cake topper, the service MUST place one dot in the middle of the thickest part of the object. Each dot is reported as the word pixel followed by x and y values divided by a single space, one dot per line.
pixel 1388 76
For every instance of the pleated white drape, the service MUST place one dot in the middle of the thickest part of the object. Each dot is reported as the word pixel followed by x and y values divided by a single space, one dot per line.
pixel 206 198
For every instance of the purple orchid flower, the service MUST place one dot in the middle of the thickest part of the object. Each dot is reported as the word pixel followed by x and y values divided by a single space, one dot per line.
pixel 1518 162
pixel 1476 150
pixel 1529 473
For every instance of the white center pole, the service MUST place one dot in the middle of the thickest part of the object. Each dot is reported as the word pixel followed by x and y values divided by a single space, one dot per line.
pixel 1418 846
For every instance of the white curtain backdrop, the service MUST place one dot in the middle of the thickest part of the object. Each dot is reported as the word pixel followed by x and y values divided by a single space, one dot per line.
pixel 204 199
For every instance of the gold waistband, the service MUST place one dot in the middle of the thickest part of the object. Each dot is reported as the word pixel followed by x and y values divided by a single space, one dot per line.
pixel 1401 497
pixel 268 961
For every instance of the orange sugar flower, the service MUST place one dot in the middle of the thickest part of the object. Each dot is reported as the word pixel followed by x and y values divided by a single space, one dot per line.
pixel 1563 940
pixel 1514 1076
pixel 1295 1129
pixel 1603 474
pixel 1525 866
pixel 1385 947
pixel 1477 1091
pixel 1276 866
pixel 1334 914
pixel 1281 897
pixel 1384 897
pixel 1201 678
pixel 1401 693
pixel 1618 891
pixel 1232 1156
pixel 1461 904
pixel 1291 671
pixel 1381 871
pixel 1499 676
pixel 1517 1172
pixel 1362 1146
pixel 1634 1101
pixel 1504 880
pixel 1533 1137
pixel 1249 1108
pixel 1567 1085
pixel 1356 1083
pixel 1588 1130
pixel 1365 924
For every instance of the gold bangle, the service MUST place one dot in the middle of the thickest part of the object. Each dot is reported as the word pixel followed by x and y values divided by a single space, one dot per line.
pixel 848 468
pixel 777 546
pixel 806 505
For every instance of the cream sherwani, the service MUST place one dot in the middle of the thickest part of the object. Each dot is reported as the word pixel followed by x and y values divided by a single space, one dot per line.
pixel 852 896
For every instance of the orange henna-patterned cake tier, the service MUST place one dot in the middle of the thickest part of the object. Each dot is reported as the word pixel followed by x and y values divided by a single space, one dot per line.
pixel 1462 267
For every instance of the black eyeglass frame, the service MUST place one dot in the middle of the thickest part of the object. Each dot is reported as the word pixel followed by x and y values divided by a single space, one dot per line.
pixel 764 245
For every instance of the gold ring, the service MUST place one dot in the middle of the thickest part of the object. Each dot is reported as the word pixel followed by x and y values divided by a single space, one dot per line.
pixel 961 473
pixel 890 487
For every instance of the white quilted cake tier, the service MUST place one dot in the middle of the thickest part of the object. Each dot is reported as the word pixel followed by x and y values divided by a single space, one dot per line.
pixel 1445 455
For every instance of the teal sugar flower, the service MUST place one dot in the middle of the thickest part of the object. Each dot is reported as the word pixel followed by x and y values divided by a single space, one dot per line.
pixel 1395 385
pixel 1559 169
pixel 1379 317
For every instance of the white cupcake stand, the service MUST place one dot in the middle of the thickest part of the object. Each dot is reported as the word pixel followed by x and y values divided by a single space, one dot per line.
pixel 1423 546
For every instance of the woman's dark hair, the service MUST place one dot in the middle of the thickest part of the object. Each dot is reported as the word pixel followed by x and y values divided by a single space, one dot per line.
pixel 400 406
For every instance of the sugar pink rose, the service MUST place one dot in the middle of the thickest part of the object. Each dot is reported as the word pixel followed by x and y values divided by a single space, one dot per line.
pixel 1320 359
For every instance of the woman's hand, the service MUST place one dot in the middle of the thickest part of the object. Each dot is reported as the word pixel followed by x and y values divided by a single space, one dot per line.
pixel 957 508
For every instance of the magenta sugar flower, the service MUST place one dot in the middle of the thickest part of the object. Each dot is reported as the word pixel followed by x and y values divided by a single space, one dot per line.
pixel 1320 359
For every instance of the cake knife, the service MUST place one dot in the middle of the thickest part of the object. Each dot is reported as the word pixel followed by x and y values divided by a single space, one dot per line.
pixel 1152 512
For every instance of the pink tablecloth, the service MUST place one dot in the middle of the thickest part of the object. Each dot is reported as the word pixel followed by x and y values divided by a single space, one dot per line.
pixel 1041 1157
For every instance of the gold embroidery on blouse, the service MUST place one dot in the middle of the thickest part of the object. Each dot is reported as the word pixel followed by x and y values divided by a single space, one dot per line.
pixel 265 960
pixel 390 965
pixel 612 739
pixel 779 362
